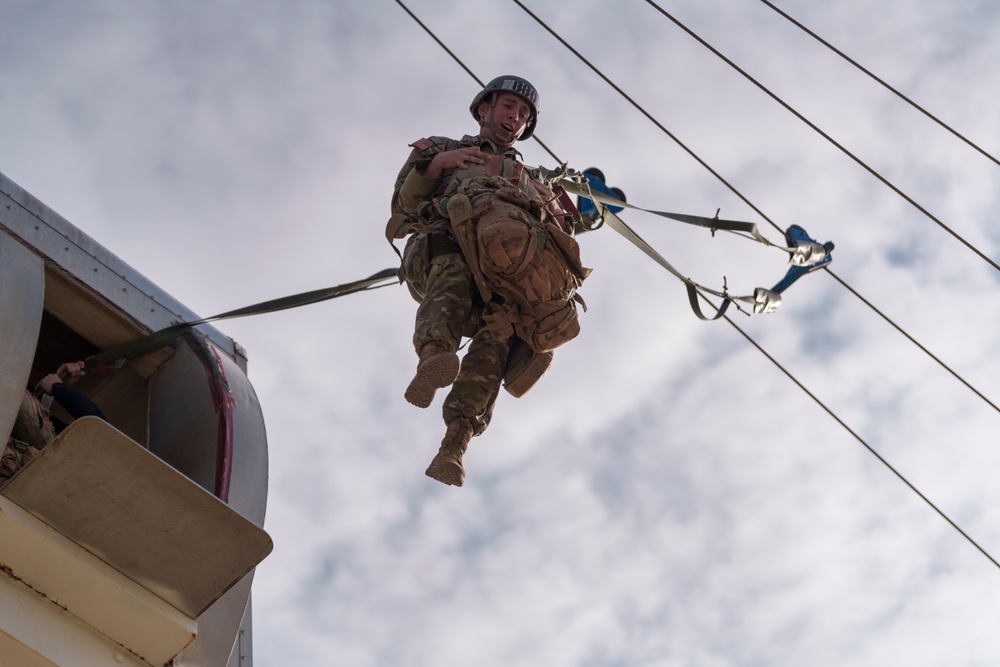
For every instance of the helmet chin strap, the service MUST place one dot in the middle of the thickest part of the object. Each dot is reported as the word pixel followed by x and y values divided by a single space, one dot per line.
pixel 496 131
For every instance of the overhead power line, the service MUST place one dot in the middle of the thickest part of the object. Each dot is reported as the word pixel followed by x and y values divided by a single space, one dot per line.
pixel 753 342
pixel 883 83
pixel 857 437
pixel 914 341
pixel 441 44
pixel 826 136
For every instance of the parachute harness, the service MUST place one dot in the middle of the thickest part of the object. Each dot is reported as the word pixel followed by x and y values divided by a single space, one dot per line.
pixel 805 254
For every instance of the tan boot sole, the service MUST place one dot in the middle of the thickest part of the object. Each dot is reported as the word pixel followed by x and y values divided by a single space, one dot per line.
pixel 433 373
pixel 446 472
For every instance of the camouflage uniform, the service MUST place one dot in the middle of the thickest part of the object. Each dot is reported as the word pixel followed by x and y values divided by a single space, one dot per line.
pixel 34 428
pixel 490 257
pixel 440 278
pixel 32 431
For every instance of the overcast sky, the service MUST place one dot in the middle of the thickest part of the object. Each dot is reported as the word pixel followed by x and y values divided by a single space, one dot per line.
pixel 666 496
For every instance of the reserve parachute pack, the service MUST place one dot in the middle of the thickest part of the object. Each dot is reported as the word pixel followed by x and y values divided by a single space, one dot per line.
pixel 517 253
pixel 526 267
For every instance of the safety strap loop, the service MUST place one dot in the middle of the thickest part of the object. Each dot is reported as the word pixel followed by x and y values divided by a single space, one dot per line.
pixel 616 223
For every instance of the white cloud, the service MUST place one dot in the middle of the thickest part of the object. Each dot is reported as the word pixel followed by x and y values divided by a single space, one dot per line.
pixel 665 496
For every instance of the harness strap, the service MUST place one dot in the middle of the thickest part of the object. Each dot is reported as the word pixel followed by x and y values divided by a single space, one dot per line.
pixel 463 228
pixel 745 229
pixel 693 288
pixel 401 225
pixel 396 228
pixel 805 254
pixel 116 357
pixel 566 202
pixel 494 166
pixel 515 180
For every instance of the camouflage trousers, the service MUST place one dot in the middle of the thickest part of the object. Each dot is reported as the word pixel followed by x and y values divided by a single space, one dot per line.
pixel 15 455
pixel 31 432
pixel 450 308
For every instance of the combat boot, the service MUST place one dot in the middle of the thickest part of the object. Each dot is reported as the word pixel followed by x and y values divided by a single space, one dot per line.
pixel 437 368
pixel 447 465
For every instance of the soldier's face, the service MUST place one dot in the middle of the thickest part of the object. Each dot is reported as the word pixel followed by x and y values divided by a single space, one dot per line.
pixel 504 121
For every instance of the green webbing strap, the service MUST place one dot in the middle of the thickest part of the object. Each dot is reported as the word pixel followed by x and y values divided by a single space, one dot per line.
pixel 116 357
pixel 735 226
pixel 693 288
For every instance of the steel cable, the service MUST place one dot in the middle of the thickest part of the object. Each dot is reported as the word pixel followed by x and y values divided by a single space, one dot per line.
pixel 799 384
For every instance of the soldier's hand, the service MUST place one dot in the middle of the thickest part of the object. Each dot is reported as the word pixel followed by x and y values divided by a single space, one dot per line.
pixel 47 382
pixel 72 370
pixel 460 158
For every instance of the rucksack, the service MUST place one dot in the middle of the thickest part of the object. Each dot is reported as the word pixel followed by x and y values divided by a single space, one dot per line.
pixel 518 254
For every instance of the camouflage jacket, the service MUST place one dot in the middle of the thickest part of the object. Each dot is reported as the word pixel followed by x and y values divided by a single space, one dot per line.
pixel 413 189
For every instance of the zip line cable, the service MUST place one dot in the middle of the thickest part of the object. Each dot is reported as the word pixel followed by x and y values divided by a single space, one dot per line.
pixel 462 65
pixel 883 83
pixel 440 43
pixel 719 177
pixel 862 441
pixel 645 113
pixel 744 334
pixel 823 134
pixel 744 199
pixel 914 341
pixel 648 116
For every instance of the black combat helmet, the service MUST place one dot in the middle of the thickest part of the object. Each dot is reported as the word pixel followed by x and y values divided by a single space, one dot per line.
pixel 517 86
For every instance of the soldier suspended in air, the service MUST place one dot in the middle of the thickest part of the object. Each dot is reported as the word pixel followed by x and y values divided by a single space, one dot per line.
pixel 490 257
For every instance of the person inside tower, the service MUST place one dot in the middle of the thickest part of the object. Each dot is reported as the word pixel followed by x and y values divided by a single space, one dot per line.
pixel 35 427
